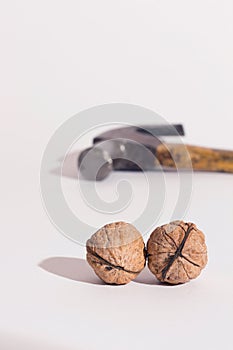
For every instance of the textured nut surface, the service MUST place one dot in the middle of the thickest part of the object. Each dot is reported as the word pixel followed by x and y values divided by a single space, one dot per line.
pixel 116 252
pixel 176 252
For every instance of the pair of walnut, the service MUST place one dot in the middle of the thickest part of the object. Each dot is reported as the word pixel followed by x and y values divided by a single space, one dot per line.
pixel 176 252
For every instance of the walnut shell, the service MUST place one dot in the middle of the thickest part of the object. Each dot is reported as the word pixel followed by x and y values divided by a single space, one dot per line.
pixel 116 252
pixel 176 252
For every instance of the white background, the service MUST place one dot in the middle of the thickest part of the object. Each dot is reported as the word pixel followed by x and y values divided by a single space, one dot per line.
pixel 58 58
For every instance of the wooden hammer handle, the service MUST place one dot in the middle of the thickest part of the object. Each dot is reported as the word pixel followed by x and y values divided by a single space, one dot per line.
pixel 194 157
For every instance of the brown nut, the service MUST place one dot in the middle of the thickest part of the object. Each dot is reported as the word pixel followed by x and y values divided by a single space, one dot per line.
pixel 176 252
pixel 116 252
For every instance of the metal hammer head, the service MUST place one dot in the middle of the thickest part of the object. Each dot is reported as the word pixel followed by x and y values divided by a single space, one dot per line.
pixel 128 148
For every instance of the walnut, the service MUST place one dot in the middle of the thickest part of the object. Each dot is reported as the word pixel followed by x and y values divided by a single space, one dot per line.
pixel 116 252
pixel 176 252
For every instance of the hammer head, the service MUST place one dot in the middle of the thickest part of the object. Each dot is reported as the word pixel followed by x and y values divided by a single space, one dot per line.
pixel 129 148
pixel 136 157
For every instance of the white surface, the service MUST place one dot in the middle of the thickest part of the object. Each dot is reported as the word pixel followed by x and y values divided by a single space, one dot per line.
pixel 57 58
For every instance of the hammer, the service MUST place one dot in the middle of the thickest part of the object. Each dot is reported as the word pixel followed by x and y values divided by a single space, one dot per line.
pixel 138 148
